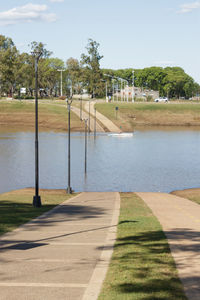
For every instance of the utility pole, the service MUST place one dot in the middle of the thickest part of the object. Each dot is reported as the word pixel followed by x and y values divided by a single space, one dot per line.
pixel 85 146
pixel 133 90
pixel 61 88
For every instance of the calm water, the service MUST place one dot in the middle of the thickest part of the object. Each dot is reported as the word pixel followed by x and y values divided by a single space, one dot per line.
pixel 151 160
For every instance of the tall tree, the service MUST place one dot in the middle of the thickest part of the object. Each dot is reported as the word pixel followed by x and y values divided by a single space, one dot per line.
pixel 75 74
pixel 92 74
pixel 8 64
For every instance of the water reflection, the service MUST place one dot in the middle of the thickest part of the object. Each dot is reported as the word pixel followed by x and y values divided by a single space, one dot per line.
pixel 151 160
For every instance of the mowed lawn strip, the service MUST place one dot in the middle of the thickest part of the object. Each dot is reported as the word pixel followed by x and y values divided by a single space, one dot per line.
pixel 142 266
pixel 191 194
pixel 130 115
pixel 16 207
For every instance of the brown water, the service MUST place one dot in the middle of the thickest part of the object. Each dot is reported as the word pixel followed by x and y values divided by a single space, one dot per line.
pixel 151 160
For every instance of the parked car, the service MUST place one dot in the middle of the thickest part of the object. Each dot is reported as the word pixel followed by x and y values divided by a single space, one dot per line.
pixel 161 99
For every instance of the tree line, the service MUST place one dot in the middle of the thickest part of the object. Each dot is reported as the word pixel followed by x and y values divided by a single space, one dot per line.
pixel 84 75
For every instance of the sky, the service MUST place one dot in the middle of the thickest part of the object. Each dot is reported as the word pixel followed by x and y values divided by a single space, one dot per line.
pixel 131 33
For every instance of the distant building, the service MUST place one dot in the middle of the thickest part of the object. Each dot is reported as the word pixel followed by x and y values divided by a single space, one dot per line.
pixel 139 93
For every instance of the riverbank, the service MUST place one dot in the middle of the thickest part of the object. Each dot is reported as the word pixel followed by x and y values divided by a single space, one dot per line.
pixel 53 115
pixel 21 115
pixel 127 116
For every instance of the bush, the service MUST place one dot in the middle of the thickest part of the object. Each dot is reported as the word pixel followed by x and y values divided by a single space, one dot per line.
pixel 149 98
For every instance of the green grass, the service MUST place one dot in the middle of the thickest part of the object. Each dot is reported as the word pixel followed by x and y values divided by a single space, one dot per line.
pixel 149 107
pixel 16 207
pixel 25 106
pixel 130 115
pixel 142 267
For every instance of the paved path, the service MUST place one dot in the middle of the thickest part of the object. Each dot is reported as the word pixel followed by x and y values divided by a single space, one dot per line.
pixel 61 255
pixel 105 121
pixel 180 219
pixel 99 128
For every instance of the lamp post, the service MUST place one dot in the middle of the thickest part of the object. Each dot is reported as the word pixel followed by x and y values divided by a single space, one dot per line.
pixel 61 89
pixel 121 90
pixel 106 89
pixel 89 118
pixel 69 189
pixel 95 121
pixel 36 199
pixel 81 107
pixel 133 90
pixel 86 145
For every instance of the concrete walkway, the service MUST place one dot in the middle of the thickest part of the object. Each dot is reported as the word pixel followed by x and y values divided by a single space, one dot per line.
pixel 180 219
pixel 105 121
pixel 61 255
pixel 99 128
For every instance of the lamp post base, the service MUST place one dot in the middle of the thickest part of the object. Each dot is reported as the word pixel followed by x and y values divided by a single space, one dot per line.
pixel 69 190
pixel 37 201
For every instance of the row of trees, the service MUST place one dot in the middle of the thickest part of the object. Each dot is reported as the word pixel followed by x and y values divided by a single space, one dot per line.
pixel 171 81
pixel 17 71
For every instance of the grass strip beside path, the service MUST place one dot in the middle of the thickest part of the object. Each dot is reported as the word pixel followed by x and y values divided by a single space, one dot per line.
pixel 16 206
pixel 142 266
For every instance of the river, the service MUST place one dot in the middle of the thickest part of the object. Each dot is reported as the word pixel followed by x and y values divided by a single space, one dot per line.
pixel 151 160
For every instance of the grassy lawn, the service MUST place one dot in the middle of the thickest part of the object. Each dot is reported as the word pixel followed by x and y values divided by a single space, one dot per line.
pixel 130 115
pixel 191 194
pixel 51 115
pixel 16 206
pixel 142 267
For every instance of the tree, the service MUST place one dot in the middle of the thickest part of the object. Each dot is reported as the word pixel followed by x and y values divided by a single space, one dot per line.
pixel 8 65
pixel 92 74
pixel 75 73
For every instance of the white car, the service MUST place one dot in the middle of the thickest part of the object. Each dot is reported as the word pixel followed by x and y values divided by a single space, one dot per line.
pixel 161 99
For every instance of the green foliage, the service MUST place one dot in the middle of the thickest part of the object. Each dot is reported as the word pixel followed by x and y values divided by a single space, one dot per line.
pixel 92 74
pixel 171 81
pixel 17 71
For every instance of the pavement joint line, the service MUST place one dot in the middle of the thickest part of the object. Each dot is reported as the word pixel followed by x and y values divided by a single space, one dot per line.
pixel 71 244
pixel 51 285
pixel 56 260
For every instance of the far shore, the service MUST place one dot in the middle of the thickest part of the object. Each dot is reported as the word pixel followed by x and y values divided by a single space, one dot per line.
pixel 19 115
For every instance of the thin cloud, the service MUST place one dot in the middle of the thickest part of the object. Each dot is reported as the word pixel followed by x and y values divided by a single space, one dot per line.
pixel 188 7
pixel 26 14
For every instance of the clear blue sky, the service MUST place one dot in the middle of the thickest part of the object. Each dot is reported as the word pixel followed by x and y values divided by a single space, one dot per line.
pixel 131 33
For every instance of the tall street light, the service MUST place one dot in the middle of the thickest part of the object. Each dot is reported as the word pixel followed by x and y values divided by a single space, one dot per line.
pixel 133 90
pixel 85 145
pixel 95 121
pixel 61 89
pixel 36 199
pixel 81 107
pixel 69 189
pixel 89 118
pixel 106 89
